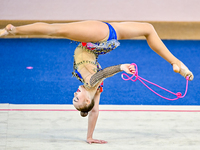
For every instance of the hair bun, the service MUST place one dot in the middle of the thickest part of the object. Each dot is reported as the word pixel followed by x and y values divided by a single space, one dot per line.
pixel 83 114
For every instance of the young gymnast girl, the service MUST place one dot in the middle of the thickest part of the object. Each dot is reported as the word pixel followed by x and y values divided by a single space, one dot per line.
pixel 98 38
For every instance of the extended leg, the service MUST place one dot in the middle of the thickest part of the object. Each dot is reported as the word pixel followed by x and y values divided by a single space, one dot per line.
pixel 129 30
pixel 85 31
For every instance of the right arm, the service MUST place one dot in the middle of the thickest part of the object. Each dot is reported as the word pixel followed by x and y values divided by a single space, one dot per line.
pixel 92 119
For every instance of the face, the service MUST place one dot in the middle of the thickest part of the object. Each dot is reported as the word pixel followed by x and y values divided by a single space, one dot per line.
pixel 80 97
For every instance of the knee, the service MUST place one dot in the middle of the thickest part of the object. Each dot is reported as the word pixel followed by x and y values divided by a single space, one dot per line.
pixel 149 26
pixel 149 29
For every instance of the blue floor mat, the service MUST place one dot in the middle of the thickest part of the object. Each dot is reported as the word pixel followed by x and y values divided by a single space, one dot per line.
pixel 51 82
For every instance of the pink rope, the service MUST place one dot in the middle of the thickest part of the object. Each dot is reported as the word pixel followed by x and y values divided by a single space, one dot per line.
pixel 179 95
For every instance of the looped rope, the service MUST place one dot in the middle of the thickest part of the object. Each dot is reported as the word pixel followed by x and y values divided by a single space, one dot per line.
pixel 137 77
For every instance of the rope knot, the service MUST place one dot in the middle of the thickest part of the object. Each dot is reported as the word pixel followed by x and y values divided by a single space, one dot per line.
pixel 179 95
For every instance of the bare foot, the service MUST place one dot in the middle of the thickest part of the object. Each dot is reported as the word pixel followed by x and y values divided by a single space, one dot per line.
pixel 3 32
pixel 183 70
pixel 9 29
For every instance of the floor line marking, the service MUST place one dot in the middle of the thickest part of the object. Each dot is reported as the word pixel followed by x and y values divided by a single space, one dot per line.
pixel 101 110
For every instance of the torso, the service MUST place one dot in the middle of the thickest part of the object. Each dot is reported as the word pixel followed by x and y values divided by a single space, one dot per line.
pixel 86 69
pixel 86 61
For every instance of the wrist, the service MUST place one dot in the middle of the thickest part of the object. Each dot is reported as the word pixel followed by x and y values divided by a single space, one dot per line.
pixel 89 138
pixel 10 29
pixel 121 67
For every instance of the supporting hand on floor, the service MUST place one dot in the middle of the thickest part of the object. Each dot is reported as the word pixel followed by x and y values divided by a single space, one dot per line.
pixel 90 141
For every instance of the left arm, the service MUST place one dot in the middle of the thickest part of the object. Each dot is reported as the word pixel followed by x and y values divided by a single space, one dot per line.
pixel 110 71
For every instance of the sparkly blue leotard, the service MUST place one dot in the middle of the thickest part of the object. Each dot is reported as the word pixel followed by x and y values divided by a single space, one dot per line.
pixel 98 48
pixel 112 33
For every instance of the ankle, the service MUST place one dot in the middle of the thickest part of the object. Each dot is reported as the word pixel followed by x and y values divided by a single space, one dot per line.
pixel 183 70
pixel 10 29
pixel 176 68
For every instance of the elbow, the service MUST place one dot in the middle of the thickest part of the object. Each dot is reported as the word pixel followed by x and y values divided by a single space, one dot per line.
pixel 94 112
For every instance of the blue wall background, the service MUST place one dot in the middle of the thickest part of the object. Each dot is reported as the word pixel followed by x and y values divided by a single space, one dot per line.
pixel 50 81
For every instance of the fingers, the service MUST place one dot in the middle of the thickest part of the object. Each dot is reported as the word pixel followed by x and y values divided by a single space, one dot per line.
pixel 132 69
pixel 97 141
pixel 103 142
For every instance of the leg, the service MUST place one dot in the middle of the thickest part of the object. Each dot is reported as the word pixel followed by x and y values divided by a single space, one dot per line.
pixel 85 31
pixel 129 30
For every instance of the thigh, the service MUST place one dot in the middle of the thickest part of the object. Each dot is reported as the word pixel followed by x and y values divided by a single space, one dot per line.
pixel 130 30
pixel 84 31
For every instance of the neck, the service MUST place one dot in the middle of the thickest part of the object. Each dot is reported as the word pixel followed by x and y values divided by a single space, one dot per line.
pixel 92 92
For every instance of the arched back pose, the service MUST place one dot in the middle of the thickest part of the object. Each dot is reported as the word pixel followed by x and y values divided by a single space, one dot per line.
pixel 98 38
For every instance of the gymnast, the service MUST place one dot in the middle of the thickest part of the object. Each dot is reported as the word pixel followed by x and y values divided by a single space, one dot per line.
pixel 98 38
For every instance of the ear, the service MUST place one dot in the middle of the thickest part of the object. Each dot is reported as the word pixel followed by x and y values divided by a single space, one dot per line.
pixel 87 101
